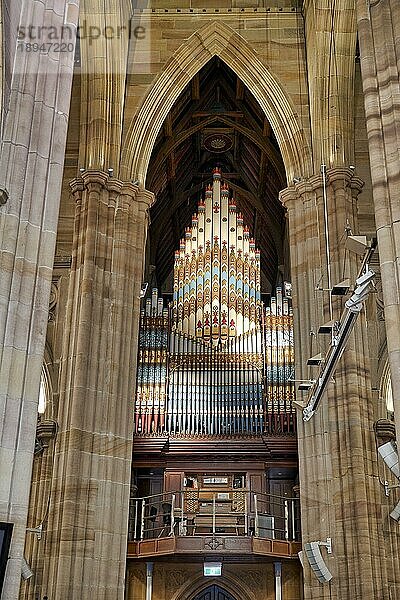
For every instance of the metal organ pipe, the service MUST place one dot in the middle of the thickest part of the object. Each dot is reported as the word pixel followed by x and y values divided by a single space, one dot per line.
pixel 218 363
pixel 215 389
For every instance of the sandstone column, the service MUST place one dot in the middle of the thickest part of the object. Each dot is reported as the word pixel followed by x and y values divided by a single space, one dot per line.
pixel 379 39
pixel 104 56
pixel 339 491
pixel 330 30
pixel 87 529
pixel 31 163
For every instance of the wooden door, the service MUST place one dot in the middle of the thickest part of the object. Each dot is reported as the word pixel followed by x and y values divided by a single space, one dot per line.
pixel 214 592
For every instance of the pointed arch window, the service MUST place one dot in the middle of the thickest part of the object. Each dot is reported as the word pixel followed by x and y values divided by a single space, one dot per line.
pixel 387 391
pixel 43 393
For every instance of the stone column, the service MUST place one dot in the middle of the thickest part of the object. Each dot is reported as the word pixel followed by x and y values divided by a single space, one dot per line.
pixel 339 491
pixel 104 56
pixel 31 163
pixel 379 39
pixel 87 531
pixel 330 30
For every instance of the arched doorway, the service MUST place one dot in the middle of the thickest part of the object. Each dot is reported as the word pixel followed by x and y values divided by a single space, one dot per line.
pixel 214 592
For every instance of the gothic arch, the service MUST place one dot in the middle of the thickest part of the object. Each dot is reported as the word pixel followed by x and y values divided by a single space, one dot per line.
pixel 216 39
pixel 214 592
pixel 232 585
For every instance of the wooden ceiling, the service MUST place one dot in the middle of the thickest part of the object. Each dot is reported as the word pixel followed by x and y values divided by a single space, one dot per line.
pixel 216 104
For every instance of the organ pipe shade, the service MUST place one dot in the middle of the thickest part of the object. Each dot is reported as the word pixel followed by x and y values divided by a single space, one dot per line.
pixel 217 361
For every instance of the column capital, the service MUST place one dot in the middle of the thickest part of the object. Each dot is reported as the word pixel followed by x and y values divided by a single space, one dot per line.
pixel 114 185
pixel 146 197
pixel 346 176
pixel 288 197
pixel 77 186
pixel 295 195
pixel 356 185
pixel 134 193
pixel 95 178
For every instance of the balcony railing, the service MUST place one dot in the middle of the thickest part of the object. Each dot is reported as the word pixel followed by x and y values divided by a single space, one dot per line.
pixel 207 513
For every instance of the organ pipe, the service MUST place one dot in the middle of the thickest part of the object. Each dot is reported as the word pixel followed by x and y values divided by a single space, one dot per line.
pixel 217 361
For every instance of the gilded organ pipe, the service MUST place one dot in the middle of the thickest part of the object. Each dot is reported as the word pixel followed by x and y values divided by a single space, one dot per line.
pixel 217 361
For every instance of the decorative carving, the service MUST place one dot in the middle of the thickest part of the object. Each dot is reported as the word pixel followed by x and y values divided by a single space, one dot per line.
pixel 53 301
pixel 45 431
pixel 4 195
pixel 252 579
pixel 137 573
pixel 218 142
pixel 175 580
pixel 385 430
pixel 214 544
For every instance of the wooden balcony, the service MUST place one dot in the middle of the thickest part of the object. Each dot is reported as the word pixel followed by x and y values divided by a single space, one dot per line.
pixel 195 523
pixel 203 544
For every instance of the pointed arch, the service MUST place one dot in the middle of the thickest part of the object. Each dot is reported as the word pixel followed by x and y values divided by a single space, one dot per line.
pixel 230 584
pixel 215 592
pixel 216 39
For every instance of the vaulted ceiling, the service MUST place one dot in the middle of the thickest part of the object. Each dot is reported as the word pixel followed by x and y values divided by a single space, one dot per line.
pixel 216 122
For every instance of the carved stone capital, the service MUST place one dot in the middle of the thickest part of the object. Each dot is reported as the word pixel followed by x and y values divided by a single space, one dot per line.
pixel 77 186
pixel 343 177
pixel 289 197
pixel 45 431
pixel 294 196
pixel 95 180
pixel 385 431
pixel 114 186
pixel 146 198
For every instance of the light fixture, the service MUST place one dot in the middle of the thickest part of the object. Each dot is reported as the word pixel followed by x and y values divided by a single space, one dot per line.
pixel 296 179
pixel 357 243
pixel 305 386
pixel 110 171
pixel 315 361
pixel 136 182
pixel 81 170
pixel 389 454
pixel 395 514
pixel 26 572
pixel 317 563
pixel 143 289
pixel 36 530
pixel 355 302
pixel 389 487
pixel 212 569
pixel 339 341
pixel 341 289
pixel 327 327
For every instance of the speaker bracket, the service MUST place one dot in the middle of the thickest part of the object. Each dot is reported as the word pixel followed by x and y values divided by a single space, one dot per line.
pixel 327 545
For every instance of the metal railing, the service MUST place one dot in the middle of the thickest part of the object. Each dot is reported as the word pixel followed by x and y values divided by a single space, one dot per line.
pixel 202 512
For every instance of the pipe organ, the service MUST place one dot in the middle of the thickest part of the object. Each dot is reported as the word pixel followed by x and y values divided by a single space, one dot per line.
pixel 217 361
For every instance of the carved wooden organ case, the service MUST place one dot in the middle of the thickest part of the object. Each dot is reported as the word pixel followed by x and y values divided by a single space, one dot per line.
pixel 217 361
